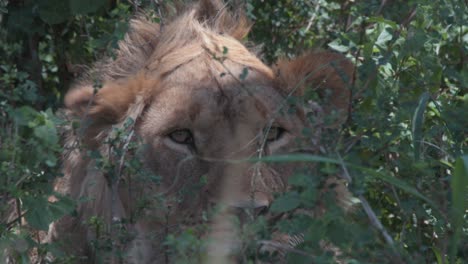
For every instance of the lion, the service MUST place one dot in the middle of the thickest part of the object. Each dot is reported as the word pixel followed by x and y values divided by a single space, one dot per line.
pixel 200 106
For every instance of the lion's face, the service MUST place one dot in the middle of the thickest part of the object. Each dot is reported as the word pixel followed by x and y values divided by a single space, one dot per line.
pixel 205 126
pixel 206 111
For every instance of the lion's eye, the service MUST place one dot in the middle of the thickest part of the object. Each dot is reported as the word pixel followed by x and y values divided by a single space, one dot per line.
pixel 182 136
pixel 274 133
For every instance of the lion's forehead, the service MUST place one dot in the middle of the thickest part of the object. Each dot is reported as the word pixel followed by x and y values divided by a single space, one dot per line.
pixel 207 106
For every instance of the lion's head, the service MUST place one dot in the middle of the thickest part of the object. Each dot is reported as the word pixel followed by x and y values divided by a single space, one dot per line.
pixel 203 106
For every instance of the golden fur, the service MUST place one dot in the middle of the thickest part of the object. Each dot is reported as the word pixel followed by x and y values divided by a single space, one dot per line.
pixel 194 73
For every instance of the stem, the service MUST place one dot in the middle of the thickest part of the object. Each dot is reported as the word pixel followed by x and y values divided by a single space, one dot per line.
pixel 367 208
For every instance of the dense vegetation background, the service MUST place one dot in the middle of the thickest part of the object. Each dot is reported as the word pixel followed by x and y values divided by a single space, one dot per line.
pixel 404 147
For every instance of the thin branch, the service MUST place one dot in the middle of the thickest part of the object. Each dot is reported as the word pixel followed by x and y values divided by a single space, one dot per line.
pixel 367 208
pixel 435 146
pixel 18 211
pixel 178 175
pixel 312 18
pixel 221 61
pixel 116 219
pixel 375 221
pixel 125 150
pixel 10 224
pixel 382 5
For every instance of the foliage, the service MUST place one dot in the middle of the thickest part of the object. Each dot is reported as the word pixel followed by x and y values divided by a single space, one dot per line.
pixel 29 159
pixel 407 128
pixel 403 149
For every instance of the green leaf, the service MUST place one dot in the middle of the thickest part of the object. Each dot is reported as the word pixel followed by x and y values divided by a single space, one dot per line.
pixel 295 225
pixel 24 115
pixel 336 45
pixel 316 231
pixel 85 6
pixel 299 259
pixel 415 43
pixel 382 20
pixel 37 214
pixel 300 180
pixel 54 11
pixel 38 219
pixel 383 38
pixel 47 133
pixel 287 202
pixel 437 255
pixel 398 183
pixel 244 73
pixel 371 172
pixel 21 19
pixel 459 185
pixel 51 161
pixel 418 119
pixel 61 207
pixel 40 212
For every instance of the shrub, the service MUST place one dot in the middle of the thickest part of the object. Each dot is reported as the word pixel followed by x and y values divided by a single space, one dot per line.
pixel 403 149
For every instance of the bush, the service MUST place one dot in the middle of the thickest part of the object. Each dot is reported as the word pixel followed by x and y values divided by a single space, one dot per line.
pixel 403 149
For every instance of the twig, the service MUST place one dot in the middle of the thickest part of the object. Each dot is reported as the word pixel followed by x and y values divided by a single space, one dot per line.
pixel 396 196
pixel 166 233
pixel 116 219
pixel 125 149
pixel 18 210
pixel 367 208
pixel 375 221
pixel 221 61
pixel 10 224
pixel 436 147
pixel 312 18
pixel 135 6
pixel 382 5
pixel 178 175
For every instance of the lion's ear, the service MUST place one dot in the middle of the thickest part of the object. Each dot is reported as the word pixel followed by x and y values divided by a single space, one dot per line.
pixel 329 74
pixel 108 104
